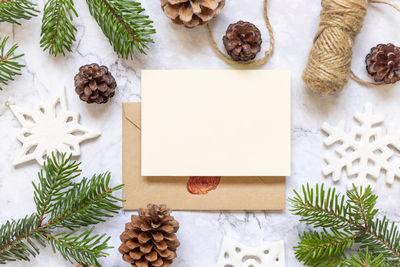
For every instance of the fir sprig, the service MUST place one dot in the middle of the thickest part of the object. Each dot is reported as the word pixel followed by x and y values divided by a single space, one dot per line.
pixel 58 32
pixel 124 24
pixel 364 259
pixel 9 66
pixel 13 10
pixel 345 221
pixel 62 208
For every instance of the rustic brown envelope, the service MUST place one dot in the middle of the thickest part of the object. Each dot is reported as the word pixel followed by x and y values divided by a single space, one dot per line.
pixel 233 193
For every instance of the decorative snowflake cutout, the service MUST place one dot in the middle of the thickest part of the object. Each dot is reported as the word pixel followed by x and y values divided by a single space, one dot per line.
pixel 50 128
pixel 365 151
pixel 234 254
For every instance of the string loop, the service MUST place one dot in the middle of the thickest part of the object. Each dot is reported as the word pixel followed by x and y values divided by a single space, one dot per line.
pixel 252 63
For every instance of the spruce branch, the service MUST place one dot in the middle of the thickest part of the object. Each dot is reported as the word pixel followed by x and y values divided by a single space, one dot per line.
pixel 16 239
pixel 344 222
pixel 84 248
pixel 364 259
pixel 58 32
pixel 124 24
pixel 94 206
pixel 9 66
pixel 62 208
pixel 13 10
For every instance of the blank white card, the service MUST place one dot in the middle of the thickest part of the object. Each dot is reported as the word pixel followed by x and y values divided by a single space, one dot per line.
pixel 215 123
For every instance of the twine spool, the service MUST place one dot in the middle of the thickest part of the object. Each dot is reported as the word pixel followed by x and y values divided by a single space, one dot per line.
pixel 329 65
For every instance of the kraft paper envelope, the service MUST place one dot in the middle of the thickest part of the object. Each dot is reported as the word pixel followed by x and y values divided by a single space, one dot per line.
pixel 215 123
pixel 233 193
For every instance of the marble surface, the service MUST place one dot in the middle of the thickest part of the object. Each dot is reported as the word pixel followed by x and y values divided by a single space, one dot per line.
pixel 201 233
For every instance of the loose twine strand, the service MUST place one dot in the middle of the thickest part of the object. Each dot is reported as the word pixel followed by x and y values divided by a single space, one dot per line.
pixel 329 65
pixel 252 63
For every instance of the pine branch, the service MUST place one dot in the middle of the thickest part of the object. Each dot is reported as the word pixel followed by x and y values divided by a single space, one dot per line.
pixel 123 24
pixel 9 67
pixel 84 248
pixel 86 203
pixel 364 259
pixel 13 10
pixel 322 249
pixel 58 33
pixel 62 205
pixel 344 222
pixel 52 184
pixel 321 209
pixel 362 205
pixel 383 237
pixel 17 239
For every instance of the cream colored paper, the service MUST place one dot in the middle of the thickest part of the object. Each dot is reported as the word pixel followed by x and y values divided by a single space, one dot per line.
pixel 233 193
pixel 215 123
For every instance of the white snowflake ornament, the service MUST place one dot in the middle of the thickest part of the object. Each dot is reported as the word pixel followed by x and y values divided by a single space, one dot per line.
pixel 365 151
pixel 49 128
pixel 235 254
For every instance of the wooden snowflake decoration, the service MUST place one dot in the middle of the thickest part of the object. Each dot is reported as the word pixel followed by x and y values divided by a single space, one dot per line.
pixel 365 151
pixel 49 128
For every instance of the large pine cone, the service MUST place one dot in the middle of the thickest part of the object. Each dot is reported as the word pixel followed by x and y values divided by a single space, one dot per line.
pixel 149 240
pixel 192 13
pixel 95 84
pixel 242 41
pixel 383 63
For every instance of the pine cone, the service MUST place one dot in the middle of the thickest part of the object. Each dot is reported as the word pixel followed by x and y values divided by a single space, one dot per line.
pixel 149 240
pixel 383 63
pixel 95 84
pixel 192 13
pixel 80 265
pixel 242 41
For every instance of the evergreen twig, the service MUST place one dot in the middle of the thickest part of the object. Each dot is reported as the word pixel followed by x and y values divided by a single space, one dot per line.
pixel 364 259
pixel 13 10
pixel 344 221
pixel 62 208
pixel 124 24
pixel 9 66
pixel 58 32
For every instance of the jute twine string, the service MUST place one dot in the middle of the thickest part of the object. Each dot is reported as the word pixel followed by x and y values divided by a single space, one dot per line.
pixel 329 65
pixel 253 63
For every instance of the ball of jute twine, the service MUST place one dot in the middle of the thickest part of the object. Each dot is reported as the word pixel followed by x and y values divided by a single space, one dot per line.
pixel 252 63
pixel 329 65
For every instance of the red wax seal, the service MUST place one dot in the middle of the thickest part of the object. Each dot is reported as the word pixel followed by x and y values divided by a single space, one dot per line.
pixel 201 185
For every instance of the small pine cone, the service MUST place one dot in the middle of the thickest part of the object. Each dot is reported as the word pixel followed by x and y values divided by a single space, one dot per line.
pixel 383 63
pixel 242 41
pixel 192 13
pixel 95 84
pixel 80 265
pixel 150 240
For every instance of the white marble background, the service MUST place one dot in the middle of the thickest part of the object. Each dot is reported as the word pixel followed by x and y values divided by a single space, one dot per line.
pixel 201 233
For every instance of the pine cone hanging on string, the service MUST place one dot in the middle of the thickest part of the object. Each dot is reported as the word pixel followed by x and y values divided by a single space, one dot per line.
pixel 242 41
pixel 192 13
pixel 95 84
pixel 383 63
pixel 149 240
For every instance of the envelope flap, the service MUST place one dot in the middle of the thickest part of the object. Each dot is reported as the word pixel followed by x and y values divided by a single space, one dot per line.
pixel 132 113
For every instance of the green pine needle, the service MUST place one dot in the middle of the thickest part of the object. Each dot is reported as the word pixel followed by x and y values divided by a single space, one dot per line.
pixel 9 66
pixel 63 207
pixel 365 259
pixel 13 10
pixel 84 248
pixel 345 221
pixel 123 23
pixel 58 32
